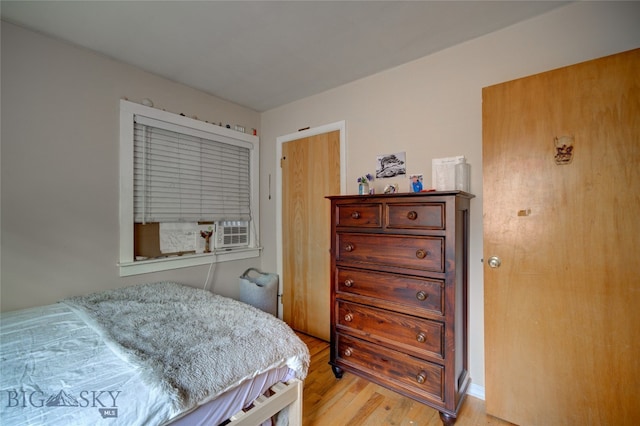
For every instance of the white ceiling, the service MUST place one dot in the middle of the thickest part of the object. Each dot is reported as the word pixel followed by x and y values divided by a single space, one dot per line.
pixel 263 54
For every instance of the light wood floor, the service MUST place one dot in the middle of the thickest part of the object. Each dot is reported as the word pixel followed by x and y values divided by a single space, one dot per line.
pixel 354 401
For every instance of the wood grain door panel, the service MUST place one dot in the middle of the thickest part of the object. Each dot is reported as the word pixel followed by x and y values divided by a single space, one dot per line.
pixel 562 329
pixel 310 171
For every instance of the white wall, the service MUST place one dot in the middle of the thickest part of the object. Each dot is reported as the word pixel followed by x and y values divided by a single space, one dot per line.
pixel 60 129
pixel 432 108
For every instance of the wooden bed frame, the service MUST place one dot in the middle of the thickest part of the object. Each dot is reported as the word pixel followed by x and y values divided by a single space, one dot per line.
pixel 287 394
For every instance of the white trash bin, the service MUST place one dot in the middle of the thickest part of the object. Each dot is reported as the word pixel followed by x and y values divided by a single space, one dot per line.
pixel 260 289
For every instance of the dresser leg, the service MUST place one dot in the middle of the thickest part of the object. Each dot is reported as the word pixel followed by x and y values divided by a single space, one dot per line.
pixel 337 371
pixel 447 420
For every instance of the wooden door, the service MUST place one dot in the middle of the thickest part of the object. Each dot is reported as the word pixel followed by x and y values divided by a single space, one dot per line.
pixel 562 322
pixel 310 171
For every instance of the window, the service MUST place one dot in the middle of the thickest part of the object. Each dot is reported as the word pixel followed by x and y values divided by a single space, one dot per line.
pixel 180 176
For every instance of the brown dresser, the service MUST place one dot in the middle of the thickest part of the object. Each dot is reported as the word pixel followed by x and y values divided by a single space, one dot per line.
pixel 399 294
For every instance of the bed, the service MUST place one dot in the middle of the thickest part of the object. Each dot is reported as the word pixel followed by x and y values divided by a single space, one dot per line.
pixel 151 354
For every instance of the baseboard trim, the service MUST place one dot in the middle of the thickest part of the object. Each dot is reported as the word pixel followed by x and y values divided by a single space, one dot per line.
pixel 476 391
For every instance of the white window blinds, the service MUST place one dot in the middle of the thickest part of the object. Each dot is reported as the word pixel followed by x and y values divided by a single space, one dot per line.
pixel 185 175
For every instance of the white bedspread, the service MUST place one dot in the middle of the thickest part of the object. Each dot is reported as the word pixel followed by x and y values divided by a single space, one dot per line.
pixel 139 355
pixel 57 371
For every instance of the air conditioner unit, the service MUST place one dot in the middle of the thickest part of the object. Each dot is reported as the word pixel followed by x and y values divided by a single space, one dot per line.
pixel 232 233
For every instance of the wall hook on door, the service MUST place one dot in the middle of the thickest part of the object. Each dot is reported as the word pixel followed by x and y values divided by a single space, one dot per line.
pixel 564 149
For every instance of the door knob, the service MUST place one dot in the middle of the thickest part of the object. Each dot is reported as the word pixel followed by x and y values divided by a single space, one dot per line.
pixel 494 262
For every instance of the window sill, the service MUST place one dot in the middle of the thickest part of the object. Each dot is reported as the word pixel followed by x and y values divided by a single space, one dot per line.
pixel 168 263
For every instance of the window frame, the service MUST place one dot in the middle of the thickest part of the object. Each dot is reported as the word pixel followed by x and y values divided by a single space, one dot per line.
pixel 127 264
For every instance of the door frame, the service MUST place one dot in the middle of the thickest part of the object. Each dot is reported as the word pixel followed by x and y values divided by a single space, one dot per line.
pixel 280 140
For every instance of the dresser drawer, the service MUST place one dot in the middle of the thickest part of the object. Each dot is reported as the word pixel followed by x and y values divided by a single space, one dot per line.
pixel 405 332
pixel 411 293
pixel 415 252
pixel 413 374
pixel 359 215
pixel 415 215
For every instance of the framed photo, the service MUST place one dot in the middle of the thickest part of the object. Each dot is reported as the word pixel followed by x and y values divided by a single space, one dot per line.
pixel 415 183
pixel 391 165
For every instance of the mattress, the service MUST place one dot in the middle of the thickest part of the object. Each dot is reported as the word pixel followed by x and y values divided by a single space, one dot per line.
pixel 57 369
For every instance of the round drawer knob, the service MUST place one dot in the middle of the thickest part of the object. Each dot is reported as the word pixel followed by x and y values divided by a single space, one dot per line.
pixel 348 282
pixel 348 352
pixel 355 215
pixel 421 295
pixel 349 247
pixel 421 337
pixel 421 378
pixel 348 318
pixel 421 253
pixel 412 215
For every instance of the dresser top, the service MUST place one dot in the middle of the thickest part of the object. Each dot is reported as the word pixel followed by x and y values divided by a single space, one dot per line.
pixel 404 194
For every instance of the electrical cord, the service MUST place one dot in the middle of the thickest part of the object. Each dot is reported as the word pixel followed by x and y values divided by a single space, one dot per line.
pixel 210 273
pixel 214 262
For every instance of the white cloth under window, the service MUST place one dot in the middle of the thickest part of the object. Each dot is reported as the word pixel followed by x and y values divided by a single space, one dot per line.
pixel 181 177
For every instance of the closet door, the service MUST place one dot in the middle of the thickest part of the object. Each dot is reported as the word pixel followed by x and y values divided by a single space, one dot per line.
pixel 310 172
pixel 561 178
